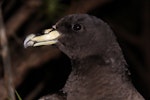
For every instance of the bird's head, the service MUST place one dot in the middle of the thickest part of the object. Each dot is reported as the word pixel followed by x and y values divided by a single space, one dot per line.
pixel 77 35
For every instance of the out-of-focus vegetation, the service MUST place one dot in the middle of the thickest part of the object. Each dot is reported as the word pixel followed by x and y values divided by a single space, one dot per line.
pixel 53 9
pixel 43 70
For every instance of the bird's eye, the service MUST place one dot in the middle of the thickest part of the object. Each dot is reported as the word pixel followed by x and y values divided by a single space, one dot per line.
pixel 76 27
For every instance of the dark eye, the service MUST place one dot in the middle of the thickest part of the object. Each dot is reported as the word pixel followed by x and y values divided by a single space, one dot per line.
pixel 76 27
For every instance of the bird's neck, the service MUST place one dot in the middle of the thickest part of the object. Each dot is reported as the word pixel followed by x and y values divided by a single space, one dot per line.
pixel 112 59
pixel 97 76
pixel 103 74
pixel 110 62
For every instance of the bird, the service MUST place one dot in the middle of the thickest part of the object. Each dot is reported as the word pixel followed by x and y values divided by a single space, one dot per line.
pixel 99 69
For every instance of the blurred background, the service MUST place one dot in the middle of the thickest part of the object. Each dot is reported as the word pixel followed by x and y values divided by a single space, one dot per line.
pixel 36 72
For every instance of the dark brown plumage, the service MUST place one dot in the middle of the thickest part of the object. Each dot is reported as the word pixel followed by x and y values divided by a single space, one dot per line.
pixel 99 70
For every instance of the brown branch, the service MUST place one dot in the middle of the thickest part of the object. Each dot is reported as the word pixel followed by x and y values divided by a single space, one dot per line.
pixel 83 6
pixel 35 91
pixel 6 61
pixel 3 92
pixel 21 16
pixel 9 6
pixel 33 59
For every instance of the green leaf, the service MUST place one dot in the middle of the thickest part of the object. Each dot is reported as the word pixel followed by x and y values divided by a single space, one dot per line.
pixel 18 96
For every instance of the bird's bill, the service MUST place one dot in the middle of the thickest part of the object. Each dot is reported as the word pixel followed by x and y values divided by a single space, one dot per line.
pixel 50 37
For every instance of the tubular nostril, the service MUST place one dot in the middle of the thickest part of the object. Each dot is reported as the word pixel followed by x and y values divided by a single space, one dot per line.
pixel 54 27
